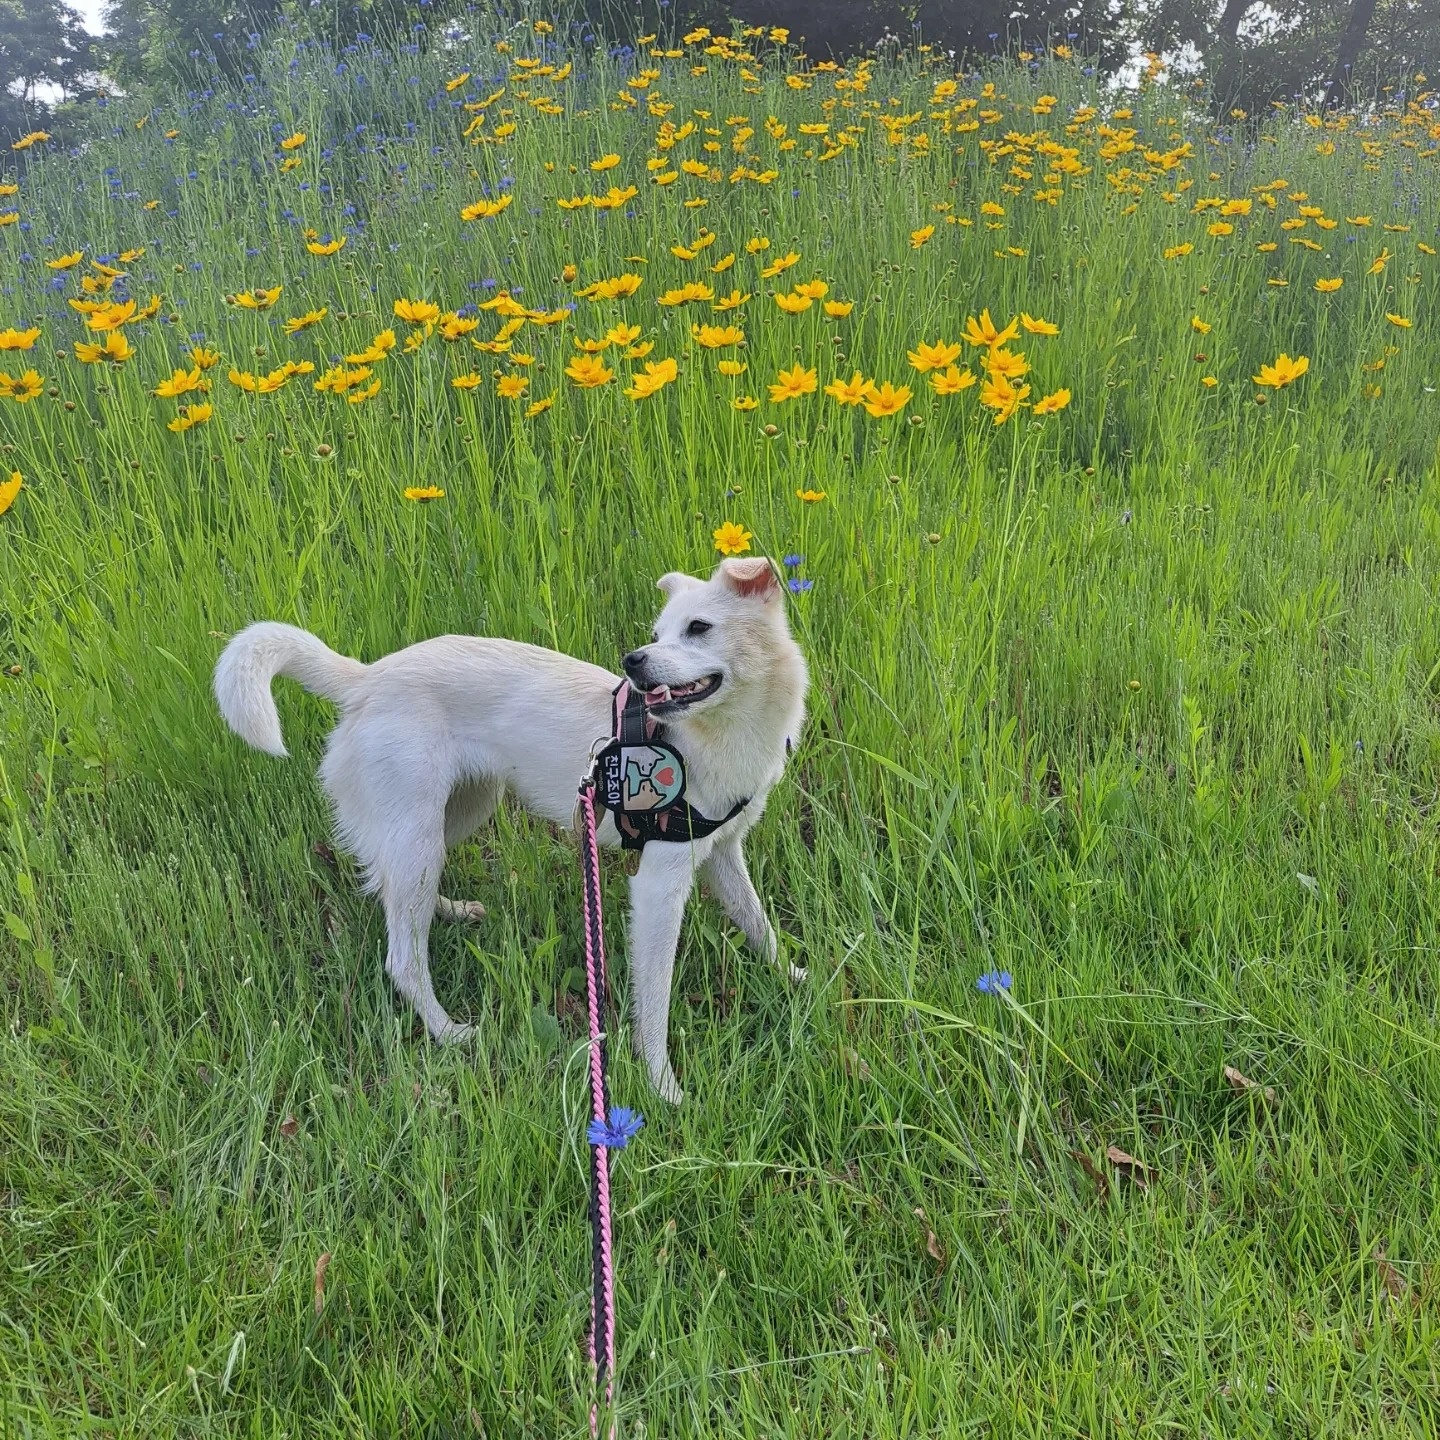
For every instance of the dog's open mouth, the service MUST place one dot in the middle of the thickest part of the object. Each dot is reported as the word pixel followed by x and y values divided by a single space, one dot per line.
pixel 669 697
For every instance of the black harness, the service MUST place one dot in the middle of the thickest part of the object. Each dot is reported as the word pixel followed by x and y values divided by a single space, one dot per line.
pixel 640 779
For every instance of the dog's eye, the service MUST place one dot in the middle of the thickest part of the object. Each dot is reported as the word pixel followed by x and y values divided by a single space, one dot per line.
pixel 698 627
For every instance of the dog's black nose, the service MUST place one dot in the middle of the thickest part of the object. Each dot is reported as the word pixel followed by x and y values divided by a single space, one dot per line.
pixel 634 663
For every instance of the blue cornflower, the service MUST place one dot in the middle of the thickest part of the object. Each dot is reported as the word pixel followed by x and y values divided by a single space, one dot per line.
pixel 617 1130
pixel 992 982
pixel 793 562
pixel 799 586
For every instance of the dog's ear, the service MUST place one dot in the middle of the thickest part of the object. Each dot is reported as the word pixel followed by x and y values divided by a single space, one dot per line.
pixel 674 582
pixel 754 578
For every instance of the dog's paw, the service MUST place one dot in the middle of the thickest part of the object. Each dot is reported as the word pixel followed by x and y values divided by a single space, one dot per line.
pixel 460 912
pixel 798 974
pixel 452 1032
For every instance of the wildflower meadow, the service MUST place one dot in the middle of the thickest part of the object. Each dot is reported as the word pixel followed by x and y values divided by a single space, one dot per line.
pixel 1096 437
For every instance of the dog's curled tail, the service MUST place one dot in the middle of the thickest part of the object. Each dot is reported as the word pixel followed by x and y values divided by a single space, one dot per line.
pixel 251 661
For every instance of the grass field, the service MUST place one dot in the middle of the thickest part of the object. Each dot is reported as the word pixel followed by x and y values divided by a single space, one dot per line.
pixel 1137 701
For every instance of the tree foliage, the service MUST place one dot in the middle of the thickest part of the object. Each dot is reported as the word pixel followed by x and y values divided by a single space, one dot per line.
pixel 44 50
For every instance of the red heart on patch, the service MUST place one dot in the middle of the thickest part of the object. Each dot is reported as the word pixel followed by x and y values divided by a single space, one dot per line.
pixel 665 776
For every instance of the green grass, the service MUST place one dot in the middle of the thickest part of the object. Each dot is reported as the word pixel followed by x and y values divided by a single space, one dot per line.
pixel 1138 702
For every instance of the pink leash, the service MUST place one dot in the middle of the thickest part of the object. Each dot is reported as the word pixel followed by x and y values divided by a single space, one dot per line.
pixel 607 1129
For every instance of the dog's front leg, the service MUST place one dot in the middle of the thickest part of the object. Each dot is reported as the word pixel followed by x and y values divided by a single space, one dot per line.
pixel 728 877
pixel 658 893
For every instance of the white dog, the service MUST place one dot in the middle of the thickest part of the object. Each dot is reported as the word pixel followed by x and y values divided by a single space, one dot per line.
pixel 430 736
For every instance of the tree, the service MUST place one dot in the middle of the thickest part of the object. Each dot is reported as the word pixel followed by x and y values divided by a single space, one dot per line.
pixel 44 48
pixel 1362 12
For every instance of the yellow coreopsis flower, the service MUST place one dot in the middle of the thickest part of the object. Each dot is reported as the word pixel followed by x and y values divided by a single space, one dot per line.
pixel 326 247
pixel 295 141
pixel 9 490
pixel 793 383
pixel 732 368
pixel 925 357
pixel 539 407
pixel 416 312
pixel 838 309
pixel 1399 320
pixel 732 539
pixel 983 331
pixel 717 337
pixel 733 301
pixel 468 382
pixel 1199 326
pixel 487 210
pixel 812 289
pixel 778 267
pixel 605 162
pixel 657 375
pixel 589 371
pixel 1174 252
pixel 180 383
pixel 64 262
pixel 851 391
pixel 512 387
pixel 1283 372
pixel 920 236
pixel 1038 327
pixel 793 304
pixel 190 416
pixel 887 399
pixel 1052 403
pixel 951 381
pixel 1329 287
pixel 744 402
pixel 258 299
pixel 421 493
pixel 298 323
pixel 22 388
pixel 114 349
pixel 19 339
pixel 110 317
pixel 999 395
pixel 622 335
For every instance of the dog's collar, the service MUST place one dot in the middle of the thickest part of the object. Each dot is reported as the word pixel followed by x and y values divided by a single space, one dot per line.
pixel 640 779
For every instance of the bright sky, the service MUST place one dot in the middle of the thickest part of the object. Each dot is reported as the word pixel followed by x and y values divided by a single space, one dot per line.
pixel 90 13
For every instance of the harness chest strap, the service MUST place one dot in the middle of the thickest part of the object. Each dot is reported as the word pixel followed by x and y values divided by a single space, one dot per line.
pixel 641 779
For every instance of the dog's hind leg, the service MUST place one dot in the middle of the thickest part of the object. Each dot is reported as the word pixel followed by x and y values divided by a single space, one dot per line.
pixel 409 885
pixel 470 805
pixel 728 878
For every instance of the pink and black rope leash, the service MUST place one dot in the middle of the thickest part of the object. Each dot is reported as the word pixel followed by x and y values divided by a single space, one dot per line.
pixel 608 1129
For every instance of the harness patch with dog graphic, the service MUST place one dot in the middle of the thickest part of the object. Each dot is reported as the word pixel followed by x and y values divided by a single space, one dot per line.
pixel 641 780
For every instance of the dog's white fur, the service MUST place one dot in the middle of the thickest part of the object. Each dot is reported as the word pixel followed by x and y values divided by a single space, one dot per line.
pixel 431 735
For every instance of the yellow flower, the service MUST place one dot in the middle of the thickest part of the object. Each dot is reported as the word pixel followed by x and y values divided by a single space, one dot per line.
pixel 926 357
pixel 1221 227
pixel 887 399
pixel 951 381
pixel 793 383
pixel 732 539
pixel 1175 251
pixel 621 287
pixel 637 352
pixel 605 162
pixel 569 272
pixel 258 299
pixel 458 81
pixel 295 141
pixel 777 267
pixel 813 289
pixel 190 416
pixel 64 262
pixel 455 327
pixel 303 322
pixel 471 381
pixel 723 264
pixel 359 397
pixel 744 402
pixel 920 236
pixel 1357 220
pixel 1329 287
pixel 622 334
pixel 810 497
pixel 1199 326
pixel 327 247
pixel 18 339
pixel 180 383
pixel 588 371
pixel 1424 248
pixel 1283 372
pixel 990 207
pixel 417 312
pixel 1209 381
pixel 657 375
pixel 1038 327
pixel 22 389
pixel 9 489
pixel 114 349
pixel 983 331
pixel 732 368
pixel 1380 260
pixel 1053 402
pixel 998 394
pixel 793 304
pixel 512 387
pixel 488 209
pixel 733 301
pixel 111 317
pixel 851 391
pixel 1002 362
pixel 243 380
pixel 33 138
pixel 539 407
pixel 839 309
pixel 756 245
pixel 420 493
pixel 1399 320
pixel 717 337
